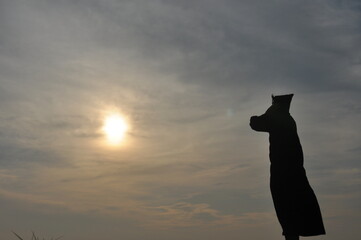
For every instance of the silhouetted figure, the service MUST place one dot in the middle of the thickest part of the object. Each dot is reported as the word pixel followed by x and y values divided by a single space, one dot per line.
pixel 295 202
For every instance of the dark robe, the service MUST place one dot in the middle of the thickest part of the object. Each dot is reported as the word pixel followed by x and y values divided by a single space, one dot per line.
pixel 294 200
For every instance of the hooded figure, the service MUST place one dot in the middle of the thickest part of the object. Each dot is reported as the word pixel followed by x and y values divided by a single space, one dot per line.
pixel 294 200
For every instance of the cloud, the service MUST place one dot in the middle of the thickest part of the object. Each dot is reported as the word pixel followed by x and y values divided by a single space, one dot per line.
pixel 185 215
pixel 242 43
pixel 28 198
pixel 305 45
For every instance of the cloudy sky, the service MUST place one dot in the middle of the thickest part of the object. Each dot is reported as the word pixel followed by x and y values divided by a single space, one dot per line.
pixel 186 76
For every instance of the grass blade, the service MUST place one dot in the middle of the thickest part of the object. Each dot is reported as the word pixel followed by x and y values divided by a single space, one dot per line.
pixel 17 235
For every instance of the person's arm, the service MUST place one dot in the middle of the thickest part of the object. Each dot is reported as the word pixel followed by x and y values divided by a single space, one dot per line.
pixel 260 123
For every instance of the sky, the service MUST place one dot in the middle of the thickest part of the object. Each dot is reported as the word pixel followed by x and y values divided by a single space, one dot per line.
pixel 186 76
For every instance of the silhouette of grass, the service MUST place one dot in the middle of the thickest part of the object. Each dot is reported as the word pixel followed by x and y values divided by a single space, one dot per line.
pixel 34 237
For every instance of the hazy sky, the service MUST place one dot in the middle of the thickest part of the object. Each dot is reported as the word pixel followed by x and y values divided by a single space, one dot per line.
pixel 187 76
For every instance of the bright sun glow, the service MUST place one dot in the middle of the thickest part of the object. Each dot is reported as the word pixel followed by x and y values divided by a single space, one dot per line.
pixel 115 128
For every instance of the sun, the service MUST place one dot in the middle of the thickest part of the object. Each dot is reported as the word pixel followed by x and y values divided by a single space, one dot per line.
pixel 115 128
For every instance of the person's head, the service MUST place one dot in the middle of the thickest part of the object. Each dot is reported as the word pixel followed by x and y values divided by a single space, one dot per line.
pixel 282 102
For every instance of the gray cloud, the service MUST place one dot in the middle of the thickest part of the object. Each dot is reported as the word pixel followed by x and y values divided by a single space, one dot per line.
pixel 309 45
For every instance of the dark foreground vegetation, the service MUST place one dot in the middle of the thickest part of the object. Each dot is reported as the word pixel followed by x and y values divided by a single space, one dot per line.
pixel 34 237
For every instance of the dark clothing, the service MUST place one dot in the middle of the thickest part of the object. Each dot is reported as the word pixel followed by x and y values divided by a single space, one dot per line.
pixel 294 200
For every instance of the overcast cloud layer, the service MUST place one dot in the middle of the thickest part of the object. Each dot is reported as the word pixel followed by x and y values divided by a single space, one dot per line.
pixel 187 75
